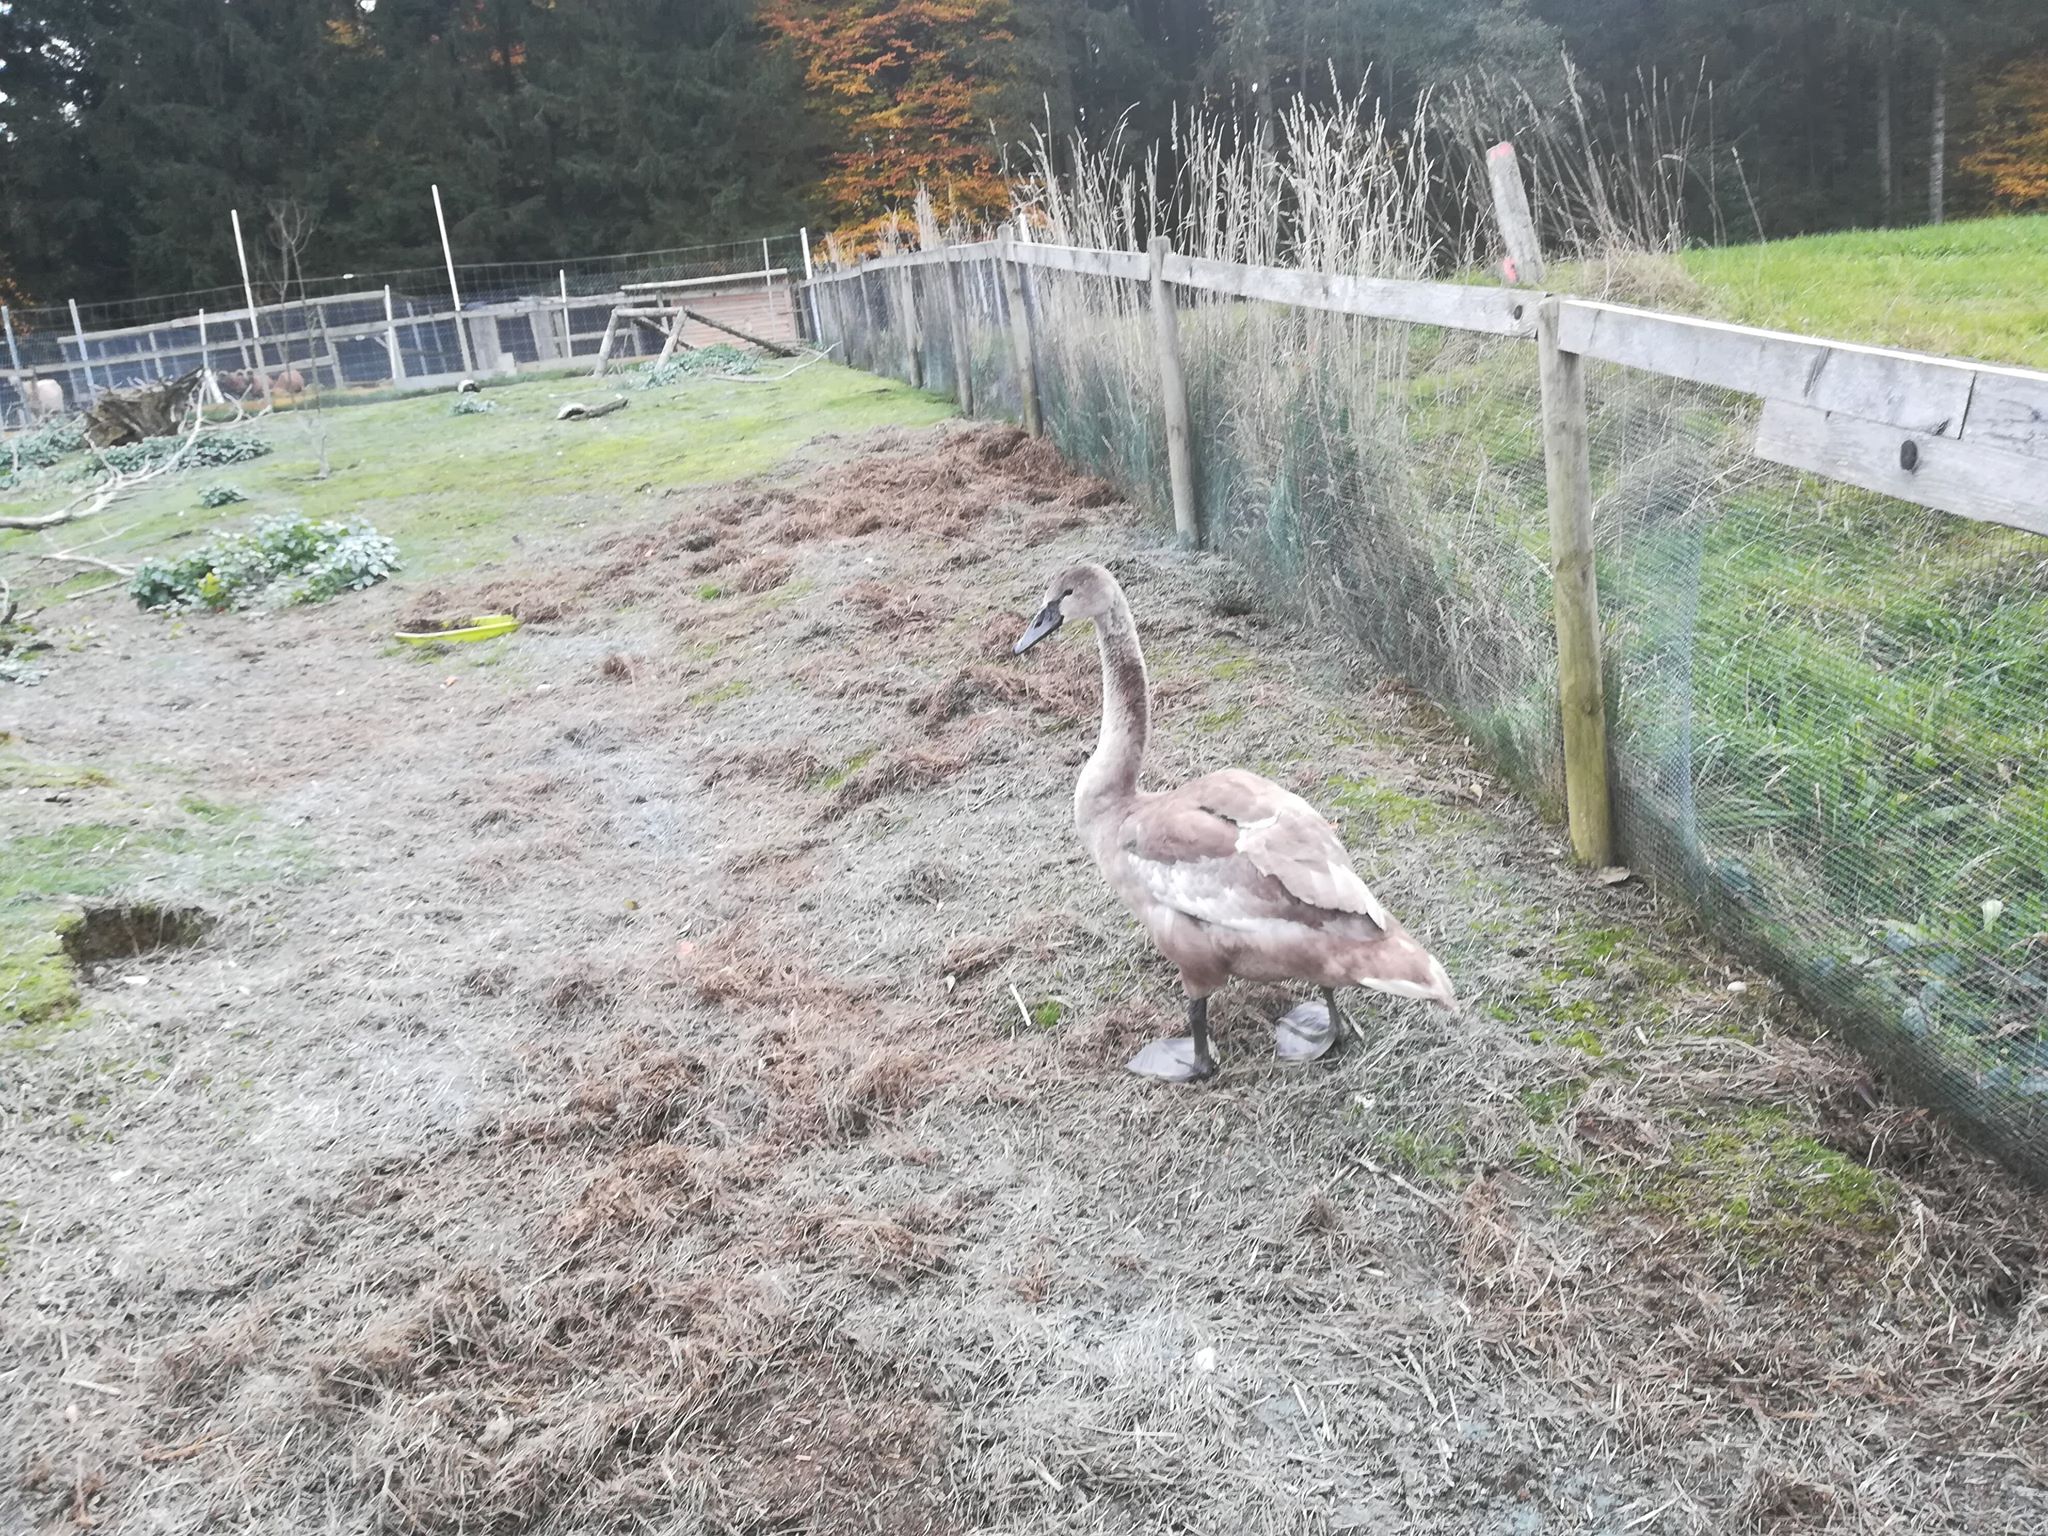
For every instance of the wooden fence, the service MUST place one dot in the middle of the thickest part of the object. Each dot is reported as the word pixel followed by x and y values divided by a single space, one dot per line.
pixel 1968 439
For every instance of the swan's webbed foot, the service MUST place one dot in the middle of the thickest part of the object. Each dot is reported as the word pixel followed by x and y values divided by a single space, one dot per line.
pixel 1308 1031
pixel 1184 1058
pixel 1172 1061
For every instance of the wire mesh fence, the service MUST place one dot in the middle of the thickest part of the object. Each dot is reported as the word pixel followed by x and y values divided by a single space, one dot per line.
pixel 1827 709
pixel 369 328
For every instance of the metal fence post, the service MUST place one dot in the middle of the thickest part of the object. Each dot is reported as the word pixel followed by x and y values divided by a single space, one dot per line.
pixel 1581 691
pixel 1020 336
pixel 249 293
pixel 13 350
pixel 1173 390
pixel 455 293
pixel 391 339
pixel 78 330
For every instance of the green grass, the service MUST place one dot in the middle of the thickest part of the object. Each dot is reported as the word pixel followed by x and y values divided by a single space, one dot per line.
pixel 455 493
pixel 193 847
pixel 1975 289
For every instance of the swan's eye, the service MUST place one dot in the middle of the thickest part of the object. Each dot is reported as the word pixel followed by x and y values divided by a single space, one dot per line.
pixel 1066 594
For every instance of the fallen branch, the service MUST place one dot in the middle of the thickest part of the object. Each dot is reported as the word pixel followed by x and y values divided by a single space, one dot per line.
pixel 732 330
pixel 112 586
pixel 777 378
pixel 96 564
pixel 116 485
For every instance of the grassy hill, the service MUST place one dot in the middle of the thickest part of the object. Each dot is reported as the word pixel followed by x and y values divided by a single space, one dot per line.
pixel 1975 289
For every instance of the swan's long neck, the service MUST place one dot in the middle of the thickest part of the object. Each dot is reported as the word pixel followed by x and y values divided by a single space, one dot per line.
pixel 1110 779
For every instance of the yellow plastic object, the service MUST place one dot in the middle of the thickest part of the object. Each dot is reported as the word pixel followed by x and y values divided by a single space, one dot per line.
pixel 485 627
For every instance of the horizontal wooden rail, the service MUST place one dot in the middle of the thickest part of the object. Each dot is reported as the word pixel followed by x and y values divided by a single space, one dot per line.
pixel 1963 477
pixel 763 275
pixel 1128 265
pixel 2005 408
pixel 1464 307
pixel 1953 435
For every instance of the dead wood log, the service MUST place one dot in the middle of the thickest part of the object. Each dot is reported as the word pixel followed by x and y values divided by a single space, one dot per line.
pixel 732 330
pixel 576 411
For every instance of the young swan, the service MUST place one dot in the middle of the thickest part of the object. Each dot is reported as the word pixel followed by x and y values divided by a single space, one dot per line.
pixel 1230 874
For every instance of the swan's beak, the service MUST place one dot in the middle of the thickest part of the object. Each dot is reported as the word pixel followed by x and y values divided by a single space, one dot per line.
pixel 1047 621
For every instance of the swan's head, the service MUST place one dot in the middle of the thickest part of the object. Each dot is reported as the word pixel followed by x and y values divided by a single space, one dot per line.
pixel 1078 592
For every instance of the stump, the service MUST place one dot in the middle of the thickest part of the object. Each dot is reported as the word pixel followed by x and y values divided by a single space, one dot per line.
pixel 129 415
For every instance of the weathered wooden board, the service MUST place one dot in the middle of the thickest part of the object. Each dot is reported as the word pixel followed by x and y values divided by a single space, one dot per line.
pixel 1929 395
pixel 1964 478
pixel 2009 410
pixel 1129 265
pixel 1496 311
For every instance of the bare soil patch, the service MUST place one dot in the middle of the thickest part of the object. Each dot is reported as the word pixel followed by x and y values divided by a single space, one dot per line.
pixel 681 1089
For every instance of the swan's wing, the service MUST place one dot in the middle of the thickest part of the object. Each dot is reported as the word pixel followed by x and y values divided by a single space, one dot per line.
pixel 1204 847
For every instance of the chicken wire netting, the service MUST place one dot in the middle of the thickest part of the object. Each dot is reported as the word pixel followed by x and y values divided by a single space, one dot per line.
pixel 1828 714
pixel 914 323
pixel 1827 709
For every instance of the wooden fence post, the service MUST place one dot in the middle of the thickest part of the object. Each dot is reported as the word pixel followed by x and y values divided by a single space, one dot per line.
pixel 963 337
pixel 1173 390
pixel 1581 691
pixel 604 348
pixel 1020 337
pixel 913 329
pixel 1517 224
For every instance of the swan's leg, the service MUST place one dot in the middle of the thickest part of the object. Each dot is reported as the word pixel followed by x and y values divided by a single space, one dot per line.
pixel 1340 1026
pixel 1307 1031
pixel 1198 1026
pixel 1185 1058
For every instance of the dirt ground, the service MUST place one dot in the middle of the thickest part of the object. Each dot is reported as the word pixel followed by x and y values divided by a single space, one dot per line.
pixel 663 1071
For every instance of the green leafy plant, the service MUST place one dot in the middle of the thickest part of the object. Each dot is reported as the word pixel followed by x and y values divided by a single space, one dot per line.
pixel 472 405
pixel 46 445
pixel 211 449
pixel 280 562
pixel 220 496
pixel 720 359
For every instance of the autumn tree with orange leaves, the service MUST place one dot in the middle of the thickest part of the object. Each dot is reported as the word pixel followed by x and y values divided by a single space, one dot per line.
pixel 910 86
pixel 2010 150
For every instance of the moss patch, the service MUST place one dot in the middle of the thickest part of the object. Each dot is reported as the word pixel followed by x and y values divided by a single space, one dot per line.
pixel 1757 1188
pixel 1388 810
pixel 732 688
pixel 832 778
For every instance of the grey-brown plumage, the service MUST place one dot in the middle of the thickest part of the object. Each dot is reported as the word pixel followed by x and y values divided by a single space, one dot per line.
pixel 1231 875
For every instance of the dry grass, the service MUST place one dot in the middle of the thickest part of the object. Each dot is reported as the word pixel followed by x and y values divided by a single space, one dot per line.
pixel 751 1152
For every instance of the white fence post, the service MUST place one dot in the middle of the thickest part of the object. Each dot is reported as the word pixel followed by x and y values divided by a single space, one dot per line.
pixel 13 351
pixel 455 293
pixel 391 339
pixel 78 330
pixel 568 322
pixel 249 293
pixel 803 239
